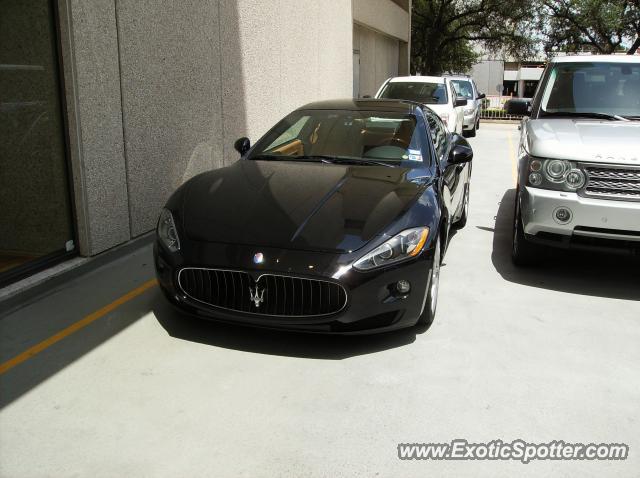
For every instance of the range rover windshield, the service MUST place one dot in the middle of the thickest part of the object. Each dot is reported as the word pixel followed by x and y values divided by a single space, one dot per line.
pixel 425 93
pixel 591 89
pixel 350 137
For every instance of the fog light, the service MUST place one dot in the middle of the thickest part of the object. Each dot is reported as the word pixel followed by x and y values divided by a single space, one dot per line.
pixel 403 286
pixel 562 215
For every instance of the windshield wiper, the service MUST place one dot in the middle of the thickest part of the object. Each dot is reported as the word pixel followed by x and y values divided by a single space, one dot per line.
pixel 586 115
pixel 358 161
pixel 342 160
pixel 632 117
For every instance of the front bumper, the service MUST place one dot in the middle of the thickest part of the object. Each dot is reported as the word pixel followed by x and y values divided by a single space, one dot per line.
pixel 372 304
pixel 593 221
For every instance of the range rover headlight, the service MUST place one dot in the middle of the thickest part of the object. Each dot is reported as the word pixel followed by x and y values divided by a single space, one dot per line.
pixel 555 174
pixel 409 243
pixel 167 232
pixel 556 169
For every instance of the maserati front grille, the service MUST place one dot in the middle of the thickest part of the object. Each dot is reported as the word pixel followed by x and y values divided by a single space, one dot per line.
pixel 270 294
pixel 613 182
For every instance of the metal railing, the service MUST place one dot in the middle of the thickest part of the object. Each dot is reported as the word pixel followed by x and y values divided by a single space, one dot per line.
pixel 493 109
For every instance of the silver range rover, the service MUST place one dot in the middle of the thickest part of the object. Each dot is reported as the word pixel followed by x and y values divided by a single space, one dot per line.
pixel 579 159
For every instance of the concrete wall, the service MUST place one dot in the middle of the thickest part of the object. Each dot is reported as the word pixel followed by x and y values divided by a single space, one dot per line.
pixel 384 16
pixel 291 55
pixel 92 80
pixel 379 58
pixel 171 98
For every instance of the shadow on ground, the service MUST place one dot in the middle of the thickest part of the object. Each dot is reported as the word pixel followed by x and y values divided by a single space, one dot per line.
pixel 274 342
pixel 576 272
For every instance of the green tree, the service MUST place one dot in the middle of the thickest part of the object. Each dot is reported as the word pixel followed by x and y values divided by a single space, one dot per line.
pixel 444 32
pixel 600 26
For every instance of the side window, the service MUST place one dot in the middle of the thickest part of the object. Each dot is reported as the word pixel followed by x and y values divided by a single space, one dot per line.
pixel 438 134
pixel 454 93
pixel 290 134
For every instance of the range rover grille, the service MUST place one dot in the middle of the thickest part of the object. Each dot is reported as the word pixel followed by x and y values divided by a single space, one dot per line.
pixel 613 183
pixel 281 296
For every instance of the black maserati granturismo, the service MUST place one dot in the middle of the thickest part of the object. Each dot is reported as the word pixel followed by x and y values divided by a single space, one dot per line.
pixel 336 220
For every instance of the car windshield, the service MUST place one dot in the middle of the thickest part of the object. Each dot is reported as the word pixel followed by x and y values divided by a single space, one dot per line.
pixel 425 93
pixel 463 88
pixel 605 89
pixel 335 136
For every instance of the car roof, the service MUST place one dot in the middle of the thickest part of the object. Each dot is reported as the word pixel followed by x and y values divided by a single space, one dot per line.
pixel 418 79
pixel 364 104
pixel 596 58
pixel 459 77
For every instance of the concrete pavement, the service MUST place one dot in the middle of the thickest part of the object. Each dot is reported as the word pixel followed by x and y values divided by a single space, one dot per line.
pixel 542 354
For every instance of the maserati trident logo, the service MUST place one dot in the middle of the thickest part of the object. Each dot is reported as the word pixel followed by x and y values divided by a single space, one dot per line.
pixel 257 295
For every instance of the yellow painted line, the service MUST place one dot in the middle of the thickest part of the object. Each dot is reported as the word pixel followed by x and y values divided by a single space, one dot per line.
pixel 514 163
pixel 82 323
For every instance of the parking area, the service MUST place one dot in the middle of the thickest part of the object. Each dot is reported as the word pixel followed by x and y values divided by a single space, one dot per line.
pixel 117 383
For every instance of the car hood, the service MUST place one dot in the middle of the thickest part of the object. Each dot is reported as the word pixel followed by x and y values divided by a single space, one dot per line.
pixel 296 205
pixel 584 140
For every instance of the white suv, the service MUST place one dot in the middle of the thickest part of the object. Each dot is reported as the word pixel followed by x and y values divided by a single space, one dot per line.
pixel 437 92
pixel 465 86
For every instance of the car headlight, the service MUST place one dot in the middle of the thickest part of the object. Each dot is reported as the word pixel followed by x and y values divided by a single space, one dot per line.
pixel 409 243
pixel 468 111
pixel 167 232
pixel 556 174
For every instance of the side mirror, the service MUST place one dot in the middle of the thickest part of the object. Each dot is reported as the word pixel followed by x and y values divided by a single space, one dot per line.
pixel 517 107
pixel 460 101
pixel 242 145
pixel 481 96
pixel 461 152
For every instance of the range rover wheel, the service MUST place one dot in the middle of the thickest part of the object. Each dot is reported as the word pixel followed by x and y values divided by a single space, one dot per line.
pixel 523 252
pixel 431 304
pixel 460 223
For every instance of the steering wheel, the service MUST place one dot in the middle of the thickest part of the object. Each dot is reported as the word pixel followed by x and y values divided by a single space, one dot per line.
pixel 398 142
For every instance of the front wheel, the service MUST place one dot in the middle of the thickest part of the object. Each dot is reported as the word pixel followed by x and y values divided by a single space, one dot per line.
pixel 429 313
pixel 523 252
pixel 460 223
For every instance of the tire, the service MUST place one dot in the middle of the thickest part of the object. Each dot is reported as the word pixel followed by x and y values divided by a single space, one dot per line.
pixel 478 124
pixel 471 133
pixel 431 304
pixel 460 223
pixel 523 252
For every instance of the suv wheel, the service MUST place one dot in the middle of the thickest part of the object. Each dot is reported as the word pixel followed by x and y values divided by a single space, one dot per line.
pixel 523 252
